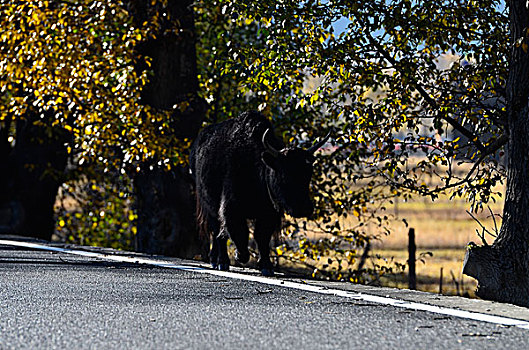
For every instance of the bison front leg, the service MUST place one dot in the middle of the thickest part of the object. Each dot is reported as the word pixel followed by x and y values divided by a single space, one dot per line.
pixel 264 229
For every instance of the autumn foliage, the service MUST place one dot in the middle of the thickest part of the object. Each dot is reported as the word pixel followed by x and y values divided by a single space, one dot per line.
pixel 408 90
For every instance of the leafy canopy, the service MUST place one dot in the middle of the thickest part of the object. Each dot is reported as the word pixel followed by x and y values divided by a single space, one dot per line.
pixel 410 90
pixel 73 64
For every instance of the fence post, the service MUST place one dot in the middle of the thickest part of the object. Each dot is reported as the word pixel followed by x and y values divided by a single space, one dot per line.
pixel 441 282
pixel 412 248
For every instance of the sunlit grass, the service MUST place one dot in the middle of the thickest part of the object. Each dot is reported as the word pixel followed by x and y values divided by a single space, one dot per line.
pixel 428 269
pixel 444 228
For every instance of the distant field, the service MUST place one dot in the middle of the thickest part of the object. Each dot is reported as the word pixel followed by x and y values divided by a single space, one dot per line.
pixel 439 225
pixel 429 271
pixel 443 228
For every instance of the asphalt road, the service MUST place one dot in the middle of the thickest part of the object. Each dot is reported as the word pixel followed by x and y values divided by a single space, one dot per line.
pixel 52 300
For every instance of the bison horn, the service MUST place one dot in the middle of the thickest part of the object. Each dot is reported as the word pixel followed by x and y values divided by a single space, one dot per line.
pixel 315 147
pixel 268 146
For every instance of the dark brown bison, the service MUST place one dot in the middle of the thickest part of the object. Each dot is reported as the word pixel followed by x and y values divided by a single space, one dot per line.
pixel 242 171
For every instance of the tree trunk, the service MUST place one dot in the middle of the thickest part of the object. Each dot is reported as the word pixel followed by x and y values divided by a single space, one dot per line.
pixel 32 172
pixel 166 221
pixel 164 200
pixel 502 269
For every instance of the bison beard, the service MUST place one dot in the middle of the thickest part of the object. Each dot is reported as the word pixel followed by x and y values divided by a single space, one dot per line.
pixel 242 171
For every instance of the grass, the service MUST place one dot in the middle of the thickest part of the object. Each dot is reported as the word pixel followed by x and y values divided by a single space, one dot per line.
pixel 447 262
pixel 443 229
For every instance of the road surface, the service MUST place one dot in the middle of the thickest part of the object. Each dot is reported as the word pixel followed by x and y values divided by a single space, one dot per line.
pixel 58 300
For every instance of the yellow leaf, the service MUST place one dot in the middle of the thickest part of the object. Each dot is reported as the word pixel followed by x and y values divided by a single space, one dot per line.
pixel 35 17
pixel 279 251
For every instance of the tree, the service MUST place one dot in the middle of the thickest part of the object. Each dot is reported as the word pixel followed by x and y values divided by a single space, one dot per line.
pixel 32 173
pixel 63 65
pixel 502 269
pixel 411 90
pixel 166 219
pixel 74 89
pixel 259 63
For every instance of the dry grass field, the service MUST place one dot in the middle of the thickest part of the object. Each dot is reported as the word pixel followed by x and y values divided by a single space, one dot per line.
pixel 443 264
pixel 443 228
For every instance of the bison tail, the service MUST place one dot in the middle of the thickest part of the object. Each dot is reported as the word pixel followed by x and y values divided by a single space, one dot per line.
pixel 202 221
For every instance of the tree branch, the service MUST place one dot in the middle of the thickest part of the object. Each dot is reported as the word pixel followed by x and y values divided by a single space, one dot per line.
pixel 491 149
pixel 457 126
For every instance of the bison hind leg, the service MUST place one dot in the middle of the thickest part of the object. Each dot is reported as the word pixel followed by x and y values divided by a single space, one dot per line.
pixel 266 267
pixel 219 254
pixel 214 254
pixel 233 224
pixel 224 267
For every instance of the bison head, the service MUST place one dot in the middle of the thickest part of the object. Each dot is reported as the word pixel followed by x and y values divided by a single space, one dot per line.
pixel 289 171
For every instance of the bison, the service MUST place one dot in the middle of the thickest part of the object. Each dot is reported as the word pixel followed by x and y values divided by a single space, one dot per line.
pixel 242 171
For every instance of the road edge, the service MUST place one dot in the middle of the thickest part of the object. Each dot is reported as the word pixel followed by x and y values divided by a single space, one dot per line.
pixel 473 309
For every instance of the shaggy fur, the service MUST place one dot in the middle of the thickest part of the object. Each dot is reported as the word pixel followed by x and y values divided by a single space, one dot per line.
pixel 238 178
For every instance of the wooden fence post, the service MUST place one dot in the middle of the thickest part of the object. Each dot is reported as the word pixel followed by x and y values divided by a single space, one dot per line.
pixel 412 248
pixel 441 282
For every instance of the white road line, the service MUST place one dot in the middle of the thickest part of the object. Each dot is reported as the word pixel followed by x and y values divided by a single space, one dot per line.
pixel 287 284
